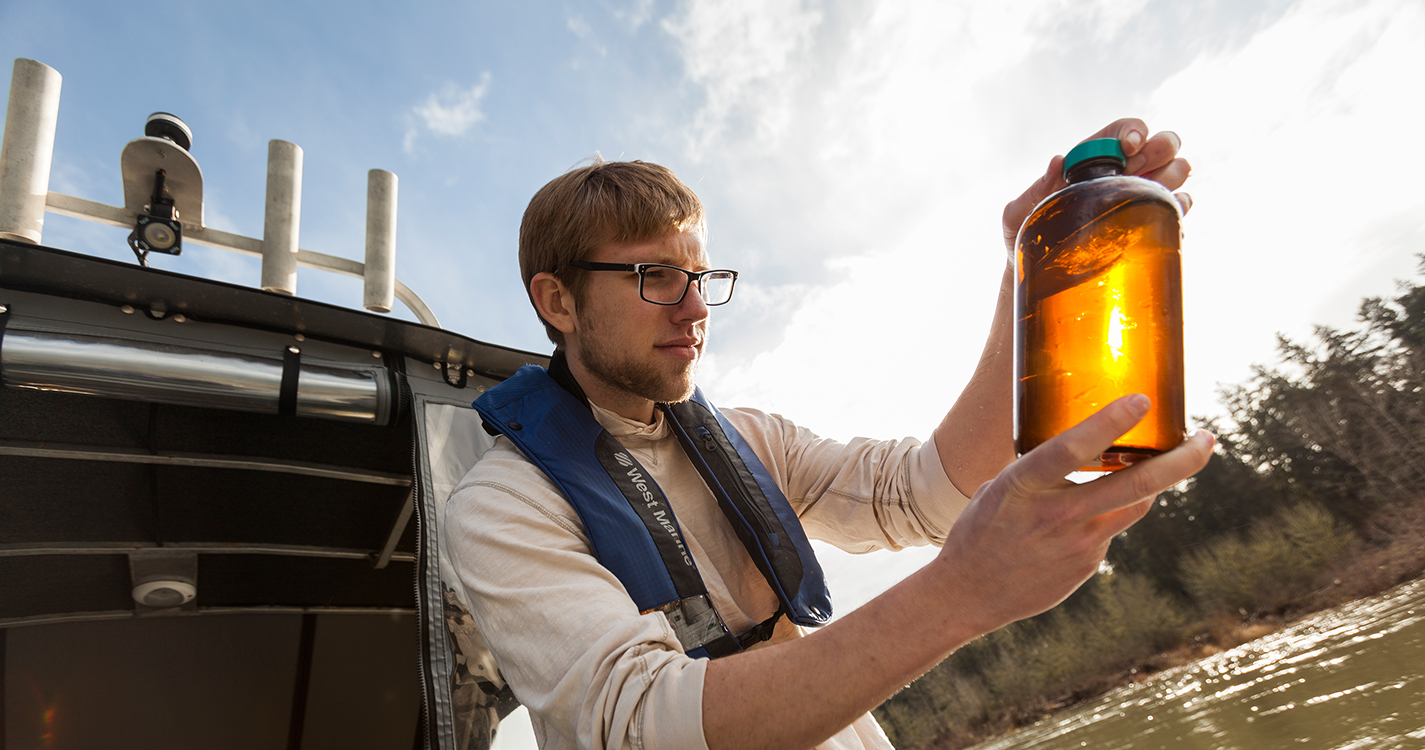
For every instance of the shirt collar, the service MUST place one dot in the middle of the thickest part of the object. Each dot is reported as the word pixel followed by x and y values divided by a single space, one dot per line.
pixel 623 427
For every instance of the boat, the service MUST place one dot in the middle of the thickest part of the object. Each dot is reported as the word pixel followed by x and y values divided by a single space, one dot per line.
pixel 219 505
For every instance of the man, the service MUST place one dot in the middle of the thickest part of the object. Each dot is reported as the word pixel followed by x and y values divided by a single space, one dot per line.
pixel 597 670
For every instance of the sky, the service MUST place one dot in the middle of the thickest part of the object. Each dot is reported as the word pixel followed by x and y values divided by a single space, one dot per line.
pixel 854 157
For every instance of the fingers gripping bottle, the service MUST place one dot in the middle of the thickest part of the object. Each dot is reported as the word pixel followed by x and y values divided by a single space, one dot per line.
pixel 1098 307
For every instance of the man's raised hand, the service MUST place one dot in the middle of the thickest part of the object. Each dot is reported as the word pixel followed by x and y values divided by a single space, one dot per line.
pixel 1155 158
pixel 1029 537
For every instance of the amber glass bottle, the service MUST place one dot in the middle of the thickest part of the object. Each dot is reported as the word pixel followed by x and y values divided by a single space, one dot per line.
pixel 1098 307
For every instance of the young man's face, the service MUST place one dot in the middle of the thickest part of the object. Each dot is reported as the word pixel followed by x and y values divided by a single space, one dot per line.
pixel 633 348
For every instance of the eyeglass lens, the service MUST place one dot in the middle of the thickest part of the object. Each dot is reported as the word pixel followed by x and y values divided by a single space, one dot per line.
pixel 666 286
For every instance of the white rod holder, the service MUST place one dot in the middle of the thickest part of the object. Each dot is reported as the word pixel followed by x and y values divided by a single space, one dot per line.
pixel 380 274
pixel 283 218
pixel 30 120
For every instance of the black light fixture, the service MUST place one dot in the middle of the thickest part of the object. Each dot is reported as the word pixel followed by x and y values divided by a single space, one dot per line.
pixel 158 229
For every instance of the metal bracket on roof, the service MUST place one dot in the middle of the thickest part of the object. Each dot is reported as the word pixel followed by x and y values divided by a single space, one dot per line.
pixel 4 318
pixel 455 374
pixel 291 373
pixel 142 158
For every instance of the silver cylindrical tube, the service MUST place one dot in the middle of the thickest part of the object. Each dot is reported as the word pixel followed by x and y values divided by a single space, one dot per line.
pixel 141 371
pixel 30 120
pixel 283 217
pixel 379 292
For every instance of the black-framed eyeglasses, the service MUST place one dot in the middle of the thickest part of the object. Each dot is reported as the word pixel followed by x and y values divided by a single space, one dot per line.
pixel 668 285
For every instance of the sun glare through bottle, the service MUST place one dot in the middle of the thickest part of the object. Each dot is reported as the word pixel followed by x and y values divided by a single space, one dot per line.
pixel 1098 307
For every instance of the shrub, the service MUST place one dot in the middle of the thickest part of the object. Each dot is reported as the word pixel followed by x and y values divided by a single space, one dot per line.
pixel 1127 621
pixel 1277 561
pixel 1027 667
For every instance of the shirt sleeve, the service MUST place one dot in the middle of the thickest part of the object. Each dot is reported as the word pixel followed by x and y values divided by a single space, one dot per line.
pixel 563 629
pixel 860 496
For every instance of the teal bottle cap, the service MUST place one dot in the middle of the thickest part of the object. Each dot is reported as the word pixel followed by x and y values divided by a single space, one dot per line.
pixel 1098 147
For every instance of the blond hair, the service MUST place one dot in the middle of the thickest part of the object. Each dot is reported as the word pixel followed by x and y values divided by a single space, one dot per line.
pixel 594 205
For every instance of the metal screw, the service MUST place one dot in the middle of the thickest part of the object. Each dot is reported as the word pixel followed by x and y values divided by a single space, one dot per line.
pixel 4 309
pixel 436 365
pixel 180 318
pixel 469 373
pixel 300 337
pixel 294 350
pixel 377 355
pixel 127 309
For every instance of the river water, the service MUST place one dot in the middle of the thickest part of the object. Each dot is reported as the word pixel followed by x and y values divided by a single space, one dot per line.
pixel 1349 679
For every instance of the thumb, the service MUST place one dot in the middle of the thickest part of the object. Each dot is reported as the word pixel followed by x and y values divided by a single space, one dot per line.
pixel 1017 210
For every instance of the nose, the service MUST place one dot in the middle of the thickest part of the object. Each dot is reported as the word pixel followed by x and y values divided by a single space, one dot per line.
pixel 692 308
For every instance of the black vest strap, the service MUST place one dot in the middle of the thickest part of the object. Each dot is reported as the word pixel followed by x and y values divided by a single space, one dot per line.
pixel 732 483
pixel 761 631
pixel 649 503
pixel 559 372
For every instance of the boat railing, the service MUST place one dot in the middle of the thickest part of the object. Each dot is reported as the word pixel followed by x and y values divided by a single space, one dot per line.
pixel 163 198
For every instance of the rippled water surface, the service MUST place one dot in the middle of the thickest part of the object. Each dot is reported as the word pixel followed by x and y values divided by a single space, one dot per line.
pixel 1349 679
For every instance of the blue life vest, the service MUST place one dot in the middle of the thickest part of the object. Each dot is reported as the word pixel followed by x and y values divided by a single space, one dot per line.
pixel 632 530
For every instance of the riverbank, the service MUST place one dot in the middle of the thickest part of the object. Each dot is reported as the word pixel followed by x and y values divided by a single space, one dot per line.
pixel 1371 570
pixel 1345 677
pixel 1219 636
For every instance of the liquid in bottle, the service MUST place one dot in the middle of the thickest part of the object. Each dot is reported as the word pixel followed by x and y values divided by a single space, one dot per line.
pixel 1098 307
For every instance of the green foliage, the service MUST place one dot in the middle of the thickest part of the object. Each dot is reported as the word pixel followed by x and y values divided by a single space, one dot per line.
pixel 1224 498
pixel 1339 423
pixel 1343 418
pixel 1027 666
pixel 1268 568
pixel 1129 620
pixel 931 706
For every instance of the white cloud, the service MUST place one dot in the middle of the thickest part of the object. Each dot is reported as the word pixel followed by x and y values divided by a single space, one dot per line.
pixel 746 55
pixel 450 112
pixel 1305 202
pixel 926 124
pixel 636 14
pixel 931 116
pixel 581 28
pixel 902 198
pixel 845 130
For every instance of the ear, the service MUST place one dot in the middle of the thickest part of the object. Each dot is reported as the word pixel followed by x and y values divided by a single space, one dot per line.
pixel 553 301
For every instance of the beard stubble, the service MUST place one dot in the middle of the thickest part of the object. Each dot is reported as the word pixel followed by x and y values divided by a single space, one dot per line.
pixel 640 378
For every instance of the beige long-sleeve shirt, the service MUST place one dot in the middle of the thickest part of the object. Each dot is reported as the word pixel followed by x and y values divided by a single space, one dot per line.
pixel 593 672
